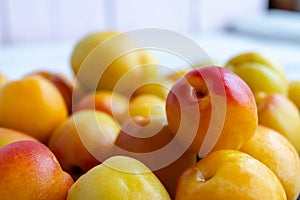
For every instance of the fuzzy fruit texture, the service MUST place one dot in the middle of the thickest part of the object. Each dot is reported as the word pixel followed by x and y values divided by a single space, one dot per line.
pixel 30 171
pixel 211 108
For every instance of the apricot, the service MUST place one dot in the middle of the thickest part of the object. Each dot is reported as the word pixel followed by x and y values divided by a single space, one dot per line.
pixel 86 45
pixel 262 74
pixel 277 153
pixel 211 108
pixel 159 87
pixel 32 105
pixel 151 142
pixel 147 105
pixel 229 174
pixel 30 171
pixel 119 177
pixel 83 141
pixel 106 60
pixel 281 114
pixel 148 64
pixel 62 83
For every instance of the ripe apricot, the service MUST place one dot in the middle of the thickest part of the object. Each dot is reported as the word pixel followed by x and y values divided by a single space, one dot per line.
pixel 32 105
pixel 276 152
pixel 229 174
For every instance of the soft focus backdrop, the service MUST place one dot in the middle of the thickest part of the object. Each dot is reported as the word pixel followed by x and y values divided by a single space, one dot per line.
pixel 41 34
pixel 53 20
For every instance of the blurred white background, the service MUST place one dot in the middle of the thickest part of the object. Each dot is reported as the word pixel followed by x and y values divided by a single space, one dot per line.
pixel 55 20
pixel 41 34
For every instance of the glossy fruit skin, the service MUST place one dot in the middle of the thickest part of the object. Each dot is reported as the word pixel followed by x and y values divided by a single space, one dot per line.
pixel 262 74
pixel 32 105
pixel 30 171
pixel 279 155
pixel 229 174
pixel 281 114
pixel 119 177
pixel 210 98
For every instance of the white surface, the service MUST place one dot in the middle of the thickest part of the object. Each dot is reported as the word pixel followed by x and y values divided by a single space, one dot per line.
pixel 16 61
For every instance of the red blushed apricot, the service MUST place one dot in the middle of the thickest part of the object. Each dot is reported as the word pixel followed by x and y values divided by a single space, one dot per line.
pixel 30 171
pixel 211 108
